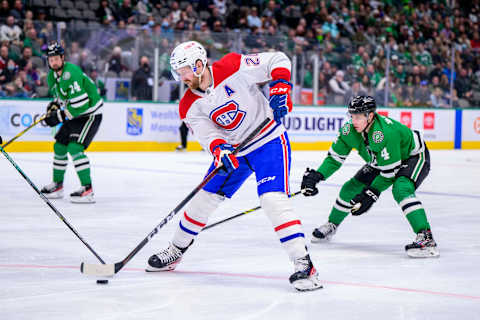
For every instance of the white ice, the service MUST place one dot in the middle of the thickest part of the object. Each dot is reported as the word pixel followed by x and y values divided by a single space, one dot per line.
pixel 236 270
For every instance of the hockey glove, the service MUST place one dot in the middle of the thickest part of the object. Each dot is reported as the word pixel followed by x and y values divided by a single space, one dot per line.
pixel 223 154
pixel 280 100
pixel 53 106
pixel 54 117
pixel 309 182
pixel 364 201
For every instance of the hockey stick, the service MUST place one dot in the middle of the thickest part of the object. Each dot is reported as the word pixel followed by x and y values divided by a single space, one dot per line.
pixel 49 203
pixel 111 269
pixel 23 131
pixel 243 213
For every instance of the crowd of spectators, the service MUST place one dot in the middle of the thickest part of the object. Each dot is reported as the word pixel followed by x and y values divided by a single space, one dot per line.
pixel 356 42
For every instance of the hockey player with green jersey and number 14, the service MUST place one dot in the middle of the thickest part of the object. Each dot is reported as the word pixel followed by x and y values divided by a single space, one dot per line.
pixel 76 106
pixel 395 155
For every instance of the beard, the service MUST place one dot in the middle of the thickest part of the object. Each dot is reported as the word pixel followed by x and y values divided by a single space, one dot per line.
pixel 59 68
pixel 195 83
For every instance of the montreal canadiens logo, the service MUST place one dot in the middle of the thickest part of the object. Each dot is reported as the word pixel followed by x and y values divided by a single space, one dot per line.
pixel 228 116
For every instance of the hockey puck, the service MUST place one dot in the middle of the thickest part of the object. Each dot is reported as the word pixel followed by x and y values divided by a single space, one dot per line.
pixel 102 281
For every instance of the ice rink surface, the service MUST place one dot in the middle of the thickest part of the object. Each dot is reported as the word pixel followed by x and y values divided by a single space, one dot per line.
pixel 236 270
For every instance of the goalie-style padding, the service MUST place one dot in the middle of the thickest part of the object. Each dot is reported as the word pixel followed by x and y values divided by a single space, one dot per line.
pixel 195 217
pixel 285 222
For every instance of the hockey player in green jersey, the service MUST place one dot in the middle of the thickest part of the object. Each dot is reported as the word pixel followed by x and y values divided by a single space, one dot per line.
pixel 396 156
pixel 77 107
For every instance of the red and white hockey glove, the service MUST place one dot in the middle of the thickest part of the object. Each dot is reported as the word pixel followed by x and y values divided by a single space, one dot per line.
pixel 223 154
pixel 280 100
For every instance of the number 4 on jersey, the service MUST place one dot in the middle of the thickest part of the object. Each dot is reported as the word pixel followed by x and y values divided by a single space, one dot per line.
pixel 74 87
pixel 385 155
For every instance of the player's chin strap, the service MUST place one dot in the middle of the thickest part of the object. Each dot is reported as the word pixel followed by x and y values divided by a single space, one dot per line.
pixel 369 123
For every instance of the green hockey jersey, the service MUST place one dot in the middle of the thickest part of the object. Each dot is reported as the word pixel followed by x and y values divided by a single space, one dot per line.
pixel 386 145
pixel 75 90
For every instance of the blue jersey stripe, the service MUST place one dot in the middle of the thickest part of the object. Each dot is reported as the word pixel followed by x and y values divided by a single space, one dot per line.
pixel 187 230
pixel 255 141
pixel 292 236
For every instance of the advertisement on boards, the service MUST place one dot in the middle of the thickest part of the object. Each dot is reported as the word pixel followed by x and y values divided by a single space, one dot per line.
pixel 322 124
pixel 17 115
pixel 471 127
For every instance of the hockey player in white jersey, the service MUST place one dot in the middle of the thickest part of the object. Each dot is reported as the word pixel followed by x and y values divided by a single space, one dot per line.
pixel 221 107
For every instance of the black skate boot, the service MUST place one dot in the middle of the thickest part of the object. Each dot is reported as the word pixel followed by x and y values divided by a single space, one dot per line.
pixel 423 247
pixel 305 277
pixel 53 190
pixel 83 195
pixel 324 232
pixel 167 259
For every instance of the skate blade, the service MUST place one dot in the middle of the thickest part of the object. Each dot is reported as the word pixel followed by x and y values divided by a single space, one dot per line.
pixel 320 240
pixel 153 269
pixel 307 285
pixel 54 195
pixel 86 199
pixel 424 253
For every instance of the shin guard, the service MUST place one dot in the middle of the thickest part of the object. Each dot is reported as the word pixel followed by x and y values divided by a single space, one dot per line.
pixel 285 222
pixel 195 217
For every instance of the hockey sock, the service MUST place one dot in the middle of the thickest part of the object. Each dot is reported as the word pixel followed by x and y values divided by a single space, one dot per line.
pixel 60 161
pixel 81 162
pixel 195 217
pixel 404 193
pixel 285 222
pixel 342 206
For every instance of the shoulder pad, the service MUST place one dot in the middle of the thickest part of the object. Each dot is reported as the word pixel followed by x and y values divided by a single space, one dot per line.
pixel 225 67
pixel 187 100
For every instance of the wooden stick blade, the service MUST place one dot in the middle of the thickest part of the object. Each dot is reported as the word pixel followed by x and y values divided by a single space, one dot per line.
pixel 103 270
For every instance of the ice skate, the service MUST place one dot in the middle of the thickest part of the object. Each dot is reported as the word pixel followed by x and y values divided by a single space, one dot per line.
pixel 305 277
pixel 167 259
pixel 423 247
pixel 324 233
pixel 180 148
pixel 53 190
pixel 83 195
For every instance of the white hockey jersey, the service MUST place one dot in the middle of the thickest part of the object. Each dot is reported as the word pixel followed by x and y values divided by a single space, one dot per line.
pixel 234 106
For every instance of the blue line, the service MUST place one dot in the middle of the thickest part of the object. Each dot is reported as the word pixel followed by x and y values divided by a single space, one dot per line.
pixel 458 129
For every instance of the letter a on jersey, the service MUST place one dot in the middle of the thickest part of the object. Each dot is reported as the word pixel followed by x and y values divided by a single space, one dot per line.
pixel 229 90
pixel 228 116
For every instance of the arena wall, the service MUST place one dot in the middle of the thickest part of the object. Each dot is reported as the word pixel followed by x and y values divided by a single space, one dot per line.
pixel 129 126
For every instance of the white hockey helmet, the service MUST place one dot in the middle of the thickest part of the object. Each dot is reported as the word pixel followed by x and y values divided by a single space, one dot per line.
pixel 187 54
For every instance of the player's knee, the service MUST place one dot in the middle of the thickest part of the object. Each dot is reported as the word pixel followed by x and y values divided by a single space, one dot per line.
pixel 270 199
pixel 275 204
pixel 402 188
pixel 59 148
pixel 350 189
pixel 203 204
pixel 75 148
